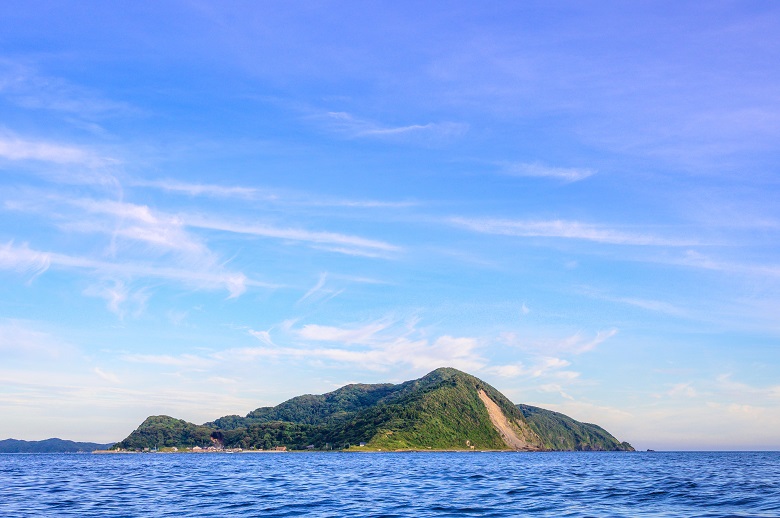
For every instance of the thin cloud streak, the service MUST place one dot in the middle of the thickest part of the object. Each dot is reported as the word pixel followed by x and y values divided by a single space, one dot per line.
pixel 189 361
pixel 17 149
pixel 536 170
pixel 351 126
pixel 256 193
pixel 23 259
pixel 235 282
pixel 563 229
pixel 198 189
pixel 29 89
pixel 292 234
pixel 657 306
pixel 698 260
pixel 419 354
pixel 382 344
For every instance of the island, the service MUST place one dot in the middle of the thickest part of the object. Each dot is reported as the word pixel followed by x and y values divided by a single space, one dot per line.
pixel 53 445
pixel 446 409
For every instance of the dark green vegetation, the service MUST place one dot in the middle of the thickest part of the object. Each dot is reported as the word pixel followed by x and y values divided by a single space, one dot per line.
pixel 441 410
pixel 49 446
pixel 561 432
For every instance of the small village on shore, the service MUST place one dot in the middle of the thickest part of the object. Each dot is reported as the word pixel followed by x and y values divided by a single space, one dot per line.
pixel 194 449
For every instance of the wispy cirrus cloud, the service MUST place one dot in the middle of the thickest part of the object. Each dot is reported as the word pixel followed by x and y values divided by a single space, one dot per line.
pixel 564 229
pixel 235 283
pixel 107 376
pixel 365 335
pixel 120 298
pixel 682 390
pixel 342 243
pixel 575 344
pixel 202 189
pixel 319 292
pixel 140 223
pixel 540 367
pixel 658 306
pixel 579 344
pixel 22 259
pixel 377 345
pixel 386 343
pixel 277 197
pixel 361 204
pixel 15 148
pixel 537 170
pixel 458 352
pixel 28 88
pixel 696 259
pixel 432 132
pixel 738 390
pixel 187 361
pixel 62 163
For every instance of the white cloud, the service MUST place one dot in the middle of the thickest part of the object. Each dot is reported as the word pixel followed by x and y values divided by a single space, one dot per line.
pixel 140 223
pixel 198 189
pixel 736 390
pixel 507 371
pixel 108 376
pixel 179 254
pixel 187 361
pixel 235 282
pixel 383 344
pixel 581 346
pixel 20 149
pixel 345 243
pixel 119 297
pixel 446 351
pixel 377 345
pixel 362 204
pixel 563 229
pixel 682 390
pixel 543 366
pixel 542 171
pixel 366 334
pixel 575 344
pixel 432 132
pixel 658 306
pixel 29 89
pixel 314 289
pixel 698 260
pixel 288 198
pixel 24 260
pixel 263 336
pixel 555 388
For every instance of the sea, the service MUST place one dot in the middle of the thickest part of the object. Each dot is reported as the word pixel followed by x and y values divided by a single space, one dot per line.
pixel 573 484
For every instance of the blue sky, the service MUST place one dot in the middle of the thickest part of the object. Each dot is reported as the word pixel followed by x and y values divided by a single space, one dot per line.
pixel 206 207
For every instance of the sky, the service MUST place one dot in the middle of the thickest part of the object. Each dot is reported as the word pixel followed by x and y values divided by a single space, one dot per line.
pixel 208 207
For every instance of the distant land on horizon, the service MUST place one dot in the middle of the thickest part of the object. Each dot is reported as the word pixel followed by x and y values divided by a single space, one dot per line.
pixel 53 445
pixel 445 410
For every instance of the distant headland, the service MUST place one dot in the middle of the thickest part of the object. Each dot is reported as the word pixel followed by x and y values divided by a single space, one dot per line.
pixel 52 445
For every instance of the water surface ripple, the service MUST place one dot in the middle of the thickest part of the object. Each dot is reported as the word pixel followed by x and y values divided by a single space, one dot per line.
pixel 734 484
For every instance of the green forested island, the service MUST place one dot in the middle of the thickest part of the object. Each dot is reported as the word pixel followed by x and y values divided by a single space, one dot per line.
pixel 444 410
pixel 52 445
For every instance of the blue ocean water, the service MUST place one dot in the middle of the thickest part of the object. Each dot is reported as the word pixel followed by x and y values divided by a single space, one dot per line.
pixel 392 484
